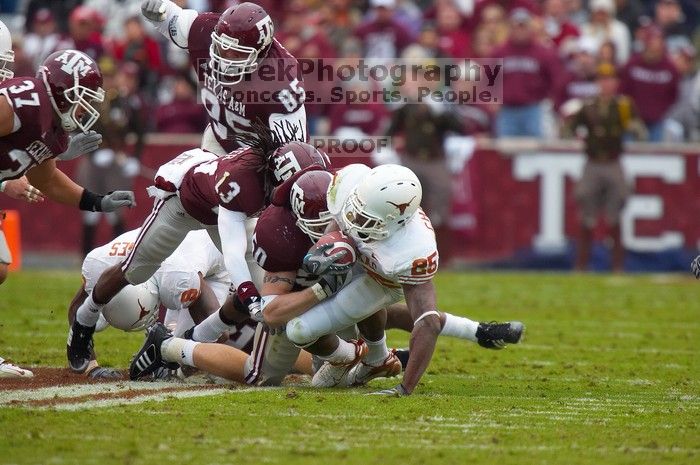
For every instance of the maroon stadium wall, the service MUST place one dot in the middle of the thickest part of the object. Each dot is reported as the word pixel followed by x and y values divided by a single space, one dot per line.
pixel 509 197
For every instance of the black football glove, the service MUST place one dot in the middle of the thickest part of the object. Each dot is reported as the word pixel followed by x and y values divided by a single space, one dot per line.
pixel 318 262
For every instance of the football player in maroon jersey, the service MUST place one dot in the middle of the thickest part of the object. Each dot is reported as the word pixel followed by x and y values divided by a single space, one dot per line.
pixel 226 51
pixel 39 118
pixel 297 217
pixel 198 190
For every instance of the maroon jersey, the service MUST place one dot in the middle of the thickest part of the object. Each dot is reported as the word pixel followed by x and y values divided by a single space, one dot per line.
pixel 39 137
pixel 278 244
pixel 276 87
pixel 218 183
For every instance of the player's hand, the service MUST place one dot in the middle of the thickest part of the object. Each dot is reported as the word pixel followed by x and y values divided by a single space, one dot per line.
pixel 117 199
pixel 20 189
pixel 153 10
pixel 80 144
pixel 332 283
pixel 695 267
pixel 249 296
pixel 318 263
pixel 104 373
pixel 396 391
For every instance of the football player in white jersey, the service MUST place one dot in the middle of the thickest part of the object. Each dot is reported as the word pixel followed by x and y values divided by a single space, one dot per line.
pixel 398 257
pixel 191 284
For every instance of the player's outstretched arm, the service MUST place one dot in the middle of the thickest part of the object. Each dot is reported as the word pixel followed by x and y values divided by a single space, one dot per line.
pixel 426 328
pixel 60 188
pixel 169 19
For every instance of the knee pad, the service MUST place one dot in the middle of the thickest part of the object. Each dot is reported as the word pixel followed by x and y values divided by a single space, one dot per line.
pixel 299 333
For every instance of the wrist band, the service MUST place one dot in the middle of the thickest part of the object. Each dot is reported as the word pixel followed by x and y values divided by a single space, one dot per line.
pixel 90 201
pixel 426 314
pixel 319 292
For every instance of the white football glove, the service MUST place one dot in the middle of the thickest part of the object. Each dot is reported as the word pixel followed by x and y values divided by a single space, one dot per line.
pixel 80 144
pixel 153 10
pixel 695 267
pixel 396 391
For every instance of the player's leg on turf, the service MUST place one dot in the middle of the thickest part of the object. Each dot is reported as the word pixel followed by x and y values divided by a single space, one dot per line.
pixel 162 232
pixel 273 357
pixel 5 256
pixel 379 362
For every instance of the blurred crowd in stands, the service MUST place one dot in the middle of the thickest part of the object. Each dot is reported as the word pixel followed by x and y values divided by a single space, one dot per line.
pixel 551 50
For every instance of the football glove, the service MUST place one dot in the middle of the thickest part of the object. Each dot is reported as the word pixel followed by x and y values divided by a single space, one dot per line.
pixel 104 373
pixel 329 284
pixel 318 263
pixel 153 10
pixel 396 391
pixel 80 144
pixel 695 267
pixel 117 199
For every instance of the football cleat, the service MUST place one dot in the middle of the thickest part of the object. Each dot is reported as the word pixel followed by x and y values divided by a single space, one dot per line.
pixel 79 347
pixel 8 370
pixel 149 359
pixel 363 373
pixel 495 335
pixel 332 374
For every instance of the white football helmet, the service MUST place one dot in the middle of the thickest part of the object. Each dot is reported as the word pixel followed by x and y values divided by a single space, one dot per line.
pixel 134 308
pixel 7 55
pixel 381 203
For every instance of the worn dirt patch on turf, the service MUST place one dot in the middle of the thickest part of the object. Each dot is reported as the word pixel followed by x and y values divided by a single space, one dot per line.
pixel 45 377
pixel 61 389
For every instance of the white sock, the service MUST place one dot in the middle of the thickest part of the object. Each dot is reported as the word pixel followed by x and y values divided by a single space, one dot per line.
pixel 345 353
pixel 378 352
pixel 178 350
pixel 210 329
pixel 457 326
pixel 89 312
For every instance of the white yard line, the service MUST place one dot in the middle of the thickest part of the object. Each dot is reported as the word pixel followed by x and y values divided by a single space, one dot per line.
pixel 158 397
pixel 78 390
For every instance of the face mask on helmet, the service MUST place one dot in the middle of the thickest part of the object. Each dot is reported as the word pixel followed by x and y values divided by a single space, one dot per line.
pixel 361 225
pixel 74 84
pixel 7 55
pixel 82 114
pixel 238 43
pixel 6 59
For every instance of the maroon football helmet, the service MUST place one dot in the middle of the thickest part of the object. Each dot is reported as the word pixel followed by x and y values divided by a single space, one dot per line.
pixel 293 157
pixel 308 200
pixel 242 36
pixel 74 83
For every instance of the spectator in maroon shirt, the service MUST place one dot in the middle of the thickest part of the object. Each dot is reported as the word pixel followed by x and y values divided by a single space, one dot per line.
pixel 453 39
pixel 531 73
pixel 182 115
pixel 579 82
pixel 383 36
pixel 557 24
pixel 651 80
pixel 368 117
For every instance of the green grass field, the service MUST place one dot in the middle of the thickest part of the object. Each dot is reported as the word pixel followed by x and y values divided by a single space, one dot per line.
pixel 608 373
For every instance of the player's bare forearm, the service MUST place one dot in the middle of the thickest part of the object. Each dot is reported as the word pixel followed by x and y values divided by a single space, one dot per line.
pixel 398 317
pixel 287 305
pixel 205 304
pixel 55 184
pixel 77 301
pixel 420 299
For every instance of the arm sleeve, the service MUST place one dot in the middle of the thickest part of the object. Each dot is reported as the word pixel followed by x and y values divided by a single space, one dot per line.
pixel 177 23
pixel 289 126
pixel 234 243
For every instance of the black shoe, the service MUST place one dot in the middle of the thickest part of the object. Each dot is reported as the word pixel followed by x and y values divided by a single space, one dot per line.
pixel 402 355
pixel 189 334
pixel 149 358
pixel 79 347
pixel 496 335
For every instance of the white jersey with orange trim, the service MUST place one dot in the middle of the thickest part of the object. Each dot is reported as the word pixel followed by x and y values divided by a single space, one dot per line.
pixel 177 279
pixel 408 256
